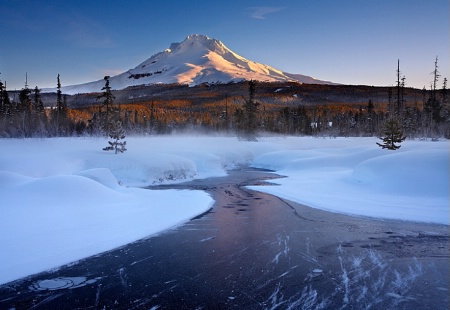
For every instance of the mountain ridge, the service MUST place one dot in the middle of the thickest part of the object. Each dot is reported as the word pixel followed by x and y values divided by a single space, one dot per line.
pixel 197 60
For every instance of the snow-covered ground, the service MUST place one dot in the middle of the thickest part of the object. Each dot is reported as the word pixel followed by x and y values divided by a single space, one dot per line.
pixel 355 176
pixel 64 199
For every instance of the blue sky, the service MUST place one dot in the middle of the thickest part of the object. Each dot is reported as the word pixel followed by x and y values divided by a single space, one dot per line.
pixel 344 41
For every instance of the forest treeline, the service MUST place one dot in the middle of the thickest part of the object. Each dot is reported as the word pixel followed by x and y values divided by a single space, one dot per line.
pixel 281 108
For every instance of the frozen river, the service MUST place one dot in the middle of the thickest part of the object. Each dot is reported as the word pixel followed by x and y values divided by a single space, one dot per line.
pixel 255 251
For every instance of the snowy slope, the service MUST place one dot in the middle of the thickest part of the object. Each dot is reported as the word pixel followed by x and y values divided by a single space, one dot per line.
pixel 196 60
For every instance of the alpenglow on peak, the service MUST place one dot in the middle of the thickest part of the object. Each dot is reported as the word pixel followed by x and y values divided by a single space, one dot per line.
pixel 196 60
pixel 197 40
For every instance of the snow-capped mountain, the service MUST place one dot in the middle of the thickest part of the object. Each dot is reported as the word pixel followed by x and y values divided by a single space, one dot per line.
pixel 198 59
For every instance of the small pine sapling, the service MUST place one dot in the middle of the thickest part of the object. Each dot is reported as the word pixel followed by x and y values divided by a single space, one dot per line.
pixel 392 135
pixel 116 134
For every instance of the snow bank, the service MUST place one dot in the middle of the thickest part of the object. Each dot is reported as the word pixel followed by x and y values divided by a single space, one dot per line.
pixel 64 199
pixel 409 184
pixel 50 221
pixel 148 161
pixel 60 199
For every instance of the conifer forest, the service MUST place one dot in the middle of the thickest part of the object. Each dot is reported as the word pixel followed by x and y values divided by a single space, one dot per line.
pixel 246 109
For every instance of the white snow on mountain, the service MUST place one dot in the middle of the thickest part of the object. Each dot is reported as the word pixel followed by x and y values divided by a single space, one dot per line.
pixel 198 59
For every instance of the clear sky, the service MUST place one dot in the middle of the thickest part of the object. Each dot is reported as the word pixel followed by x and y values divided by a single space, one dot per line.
pixel 344 41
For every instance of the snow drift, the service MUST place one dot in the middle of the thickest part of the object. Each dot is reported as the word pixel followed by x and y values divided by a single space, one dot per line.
pixel 361 179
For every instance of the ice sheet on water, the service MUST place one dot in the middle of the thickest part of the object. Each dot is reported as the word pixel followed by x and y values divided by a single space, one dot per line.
pixel 61 283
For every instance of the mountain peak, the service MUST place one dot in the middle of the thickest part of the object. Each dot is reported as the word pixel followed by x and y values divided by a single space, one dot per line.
pixel 198 59
pixel 197 37
pixel 195 41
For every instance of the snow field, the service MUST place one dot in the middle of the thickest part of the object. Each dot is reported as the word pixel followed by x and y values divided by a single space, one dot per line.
pixel 411 183
pixel 65 199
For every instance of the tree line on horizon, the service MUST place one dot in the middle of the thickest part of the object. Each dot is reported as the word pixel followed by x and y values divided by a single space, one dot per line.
pixel 247 117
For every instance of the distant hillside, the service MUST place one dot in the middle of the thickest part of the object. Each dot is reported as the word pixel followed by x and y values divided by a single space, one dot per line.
pixel 286 93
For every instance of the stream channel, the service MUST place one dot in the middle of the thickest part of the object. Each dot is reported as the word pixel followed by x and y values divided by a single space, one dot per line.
pixel 254 251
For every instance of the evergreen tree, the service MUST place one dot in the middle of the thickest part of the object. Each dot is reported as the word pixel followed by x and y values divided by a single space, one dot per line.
pixel 58 94
pixel 25 104
pixel 152 118
pixel 7 107
pixel 24 109
pixel 392 134
pixel 60 110
pixel 390 105
pixel 116 133
pixel 402 97
pixel 107 103
pixel 444 92
pixel 370 117
pixel 444 98
pixel 410 121
pixel 38 105
pixel 400 94
pixel 445 113
pixel 95 124
pixel 239 121
pixel 247 118
pixel 398 98
pixel 2 107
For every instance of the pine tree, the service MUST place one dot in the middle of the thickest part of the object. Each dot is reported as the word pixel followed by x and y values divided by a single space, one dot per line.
pixel 58 94
pixel 445 112
pixel 402 97
pixel 2 107
pixel 38 105
pixel 400 94
pixel 444 98
pixel 116 134
pixel 392 134
pixel 370 117
pixel 25 104
pixel 398 87
pixel 60 111
pixel 107 103
pixel 247 118
pixel 390 105
pixel 7 107
pixel 444 92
